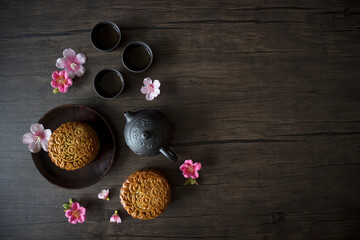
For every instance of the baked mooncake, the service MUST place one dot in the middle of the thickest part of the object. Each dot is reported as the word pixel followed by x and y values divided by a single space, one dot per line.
pixel 73 145
pixel 145 194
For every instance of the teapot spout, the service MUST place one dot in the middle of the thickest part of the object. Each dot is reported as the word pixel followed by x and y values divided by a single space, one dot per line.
pixel 129 115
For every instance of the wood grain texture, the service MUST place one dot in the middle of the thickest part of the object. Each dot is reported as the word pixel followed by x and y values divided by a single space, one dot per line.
pixel 266 94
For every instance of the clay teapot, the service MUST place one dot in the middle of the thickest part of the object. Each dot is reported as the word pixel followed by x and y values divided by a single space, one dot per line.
pixel 148 133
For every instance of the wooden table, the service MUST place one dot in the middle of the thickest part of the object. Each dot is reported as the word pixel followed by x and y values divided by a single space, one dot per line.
pixel 265 94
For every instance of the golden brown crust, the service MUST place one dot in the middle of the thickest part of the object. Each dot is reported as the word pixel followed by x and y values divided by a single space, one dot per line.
pixel 73 145
pixel 145 194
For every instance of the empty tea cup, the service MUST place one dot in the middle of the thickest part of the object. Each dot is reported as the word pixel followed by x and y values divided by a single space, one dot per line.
pixel 137 57
pixel 105 36
pixel 109 83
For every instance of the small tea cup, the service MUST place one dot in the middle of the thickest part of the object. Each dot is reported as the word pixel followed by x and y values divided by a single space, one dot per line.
pixel 108 83
pixel 137 57
pixel 105 36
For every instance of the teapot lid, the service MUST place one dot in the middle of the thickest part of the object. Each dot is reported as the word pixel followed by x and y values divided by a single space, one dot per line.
pixel 147 131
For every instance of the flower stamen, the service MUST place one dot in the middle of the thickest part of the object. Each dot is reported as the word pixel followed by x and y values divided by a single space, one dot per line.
pixel 37 139
pixel 73 66
pixel 76 213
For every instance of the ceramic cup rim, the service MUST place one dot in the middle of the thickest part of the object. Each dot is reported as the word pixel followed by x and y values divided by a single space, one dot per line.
pixel 108 70
pixel 106 23
pixel 147 47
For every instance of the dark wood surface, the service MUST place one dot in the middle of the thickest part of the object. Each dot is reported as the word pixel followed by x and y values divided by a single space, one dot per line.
pixel 265 94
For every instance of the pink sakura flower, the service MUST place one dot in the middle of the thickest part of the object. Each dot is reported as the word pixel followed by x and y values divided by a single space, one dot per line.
pixel 38 138
pixel 190 171
pixel 115 217
pixel 151 89
pixel 104 194
pixel 76 213
pixel 72 63
pixel 61 82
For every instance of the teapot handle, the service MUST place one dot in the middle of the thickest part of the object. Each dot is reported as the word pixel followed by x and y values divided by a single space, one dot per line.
pixel 169 153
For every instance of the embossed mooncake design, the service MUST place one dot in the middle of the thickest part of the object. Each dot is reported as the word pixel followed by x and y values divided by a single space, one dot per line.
pixel 73 145
pixel 145 194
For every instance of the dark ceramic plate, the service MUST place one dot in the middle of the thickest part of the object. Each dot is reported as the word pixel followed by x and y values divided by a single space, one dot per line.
pixel 95 170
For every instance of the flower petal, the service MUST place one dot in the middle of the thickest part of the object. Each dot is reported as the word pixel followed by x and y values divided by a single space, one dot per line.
pixel 81 218
pixel 36 127
pixel 156 83
pixel 144 90
pixel 54 84
pixel 186 174
pixel 82 210
pixel 47 134
pixel 34 147
pixel 72 220
pixel 75 206
pixel 44 145
pixel 147 81
pixel 71 74
pixel 156 92
pixel 112 219
pixel 28 138
pixel 194 175
pixel 61 88
pixel 190 162
pixel 149 96
pixel 80 71
pixel 63 74
pixel 118 220
pixel 65 88
pixel 81 58
pixel 197 166
pixel 183 166
pixel 69 82
pixel 101 196
pixel 60 63
pixel 68 213
pixel 69 53
pixel 55 75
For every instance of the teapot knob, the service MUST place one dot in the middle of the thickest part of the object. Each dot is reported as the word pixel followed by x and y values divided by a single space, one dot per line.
pixel 145 135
